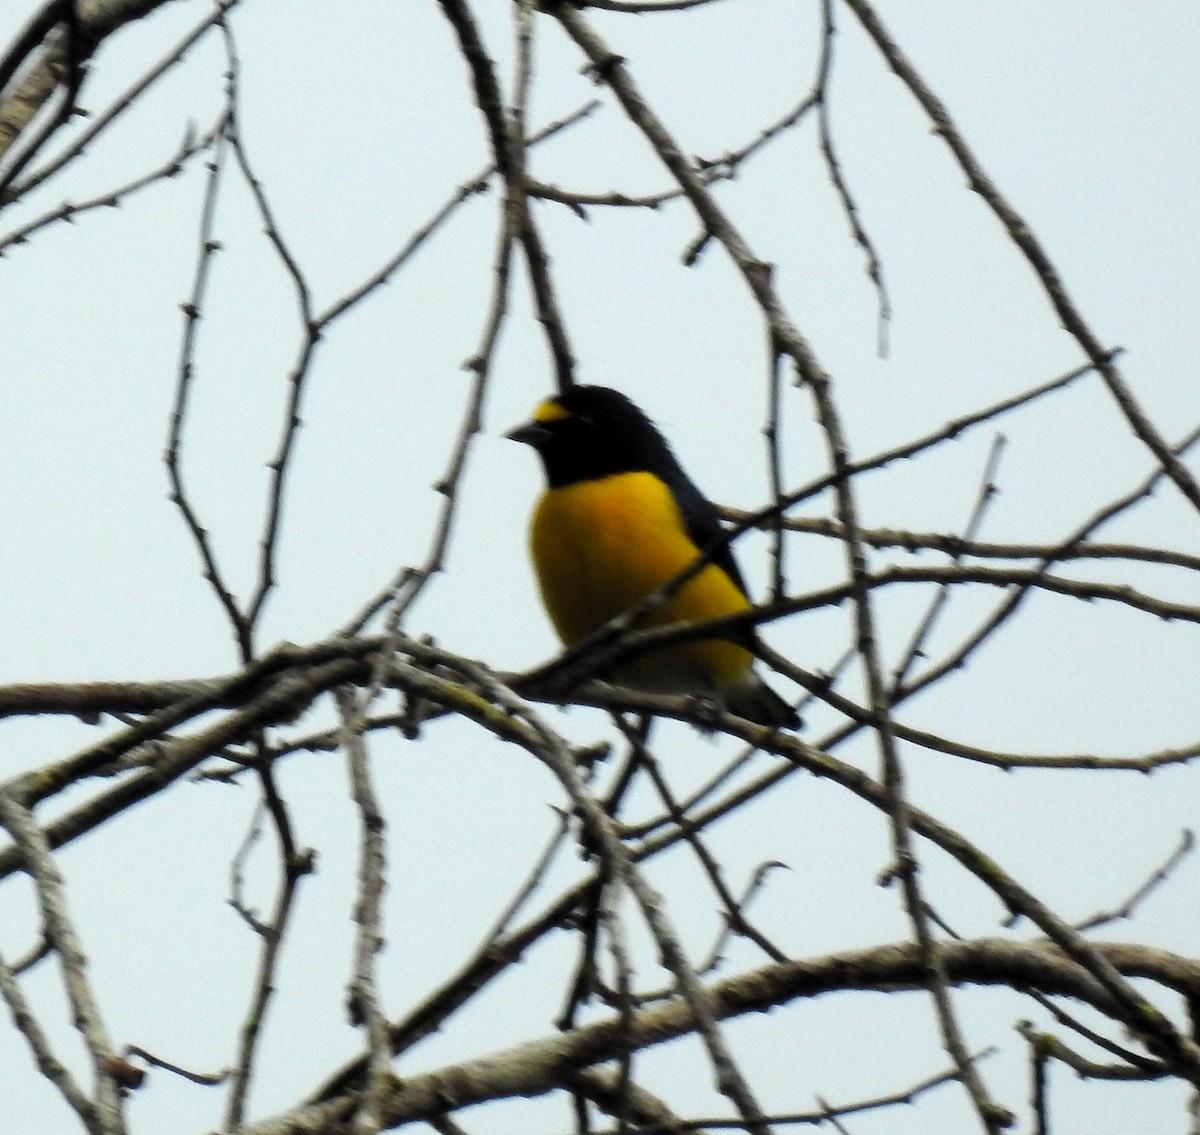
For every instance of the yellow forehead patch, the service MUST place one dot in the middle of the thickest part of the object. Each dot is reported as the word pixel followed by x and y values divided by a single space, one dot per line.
pixel 550 411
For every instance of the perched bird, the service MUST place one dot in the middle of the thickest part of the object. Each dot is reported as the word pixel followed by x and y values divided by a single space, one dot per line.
pixel 620 518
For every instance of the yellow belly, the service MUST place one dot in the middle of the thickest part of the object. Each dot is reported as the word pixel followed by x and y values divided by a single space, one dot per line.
pixel 601 546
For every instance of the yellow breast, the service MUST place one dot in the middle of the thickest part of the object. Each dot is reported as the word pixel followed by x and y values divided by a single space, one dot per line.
pixel 601 546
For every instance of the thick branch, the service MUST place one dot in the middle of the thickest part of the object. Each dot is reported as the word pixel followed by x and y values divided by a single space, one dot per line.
pixel 544 1065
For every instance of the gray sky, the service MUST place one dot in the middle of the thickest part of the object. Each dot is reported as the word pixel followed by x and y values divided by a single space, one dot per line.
pixel 360 124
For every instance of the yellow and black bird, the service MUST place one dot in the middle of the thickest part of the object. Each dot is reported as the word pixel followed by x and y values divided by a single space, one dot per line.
pixel 620 518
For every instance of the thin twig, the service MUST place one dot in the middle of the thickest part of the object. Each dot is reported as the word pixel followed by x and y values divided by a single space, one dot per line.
pixel 173 455
pixel 68 210
pixel 365 1008
pixel 204 1079
pixel 294 864
pixel 1126 909
pixel 841 187
pixel 925 628
pixel 753 887
pixel 735 919
pixel 957 547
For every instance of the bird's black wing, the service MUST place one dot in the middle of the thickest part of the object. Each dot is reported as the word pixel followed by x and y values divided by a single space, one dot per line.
pixel 704 524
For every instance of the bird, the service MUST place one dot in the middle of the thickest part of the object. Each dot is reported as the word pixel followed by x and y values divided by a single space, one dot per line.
pixel 619 518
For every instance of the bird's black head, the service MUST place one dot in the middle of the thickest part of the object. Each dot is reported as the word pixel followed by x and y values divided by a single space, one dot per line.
pixel 591 431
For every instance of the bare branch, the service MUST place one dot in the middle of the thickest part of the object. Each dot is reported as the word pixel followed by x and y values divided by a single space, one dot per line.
pixel 103 1114
pixel 61 63
pixel 27 1024
pixel 101 122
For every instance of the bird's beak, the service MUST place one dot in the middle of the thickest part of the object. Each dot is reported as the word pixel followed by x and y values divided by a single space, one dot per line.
pixel 531 433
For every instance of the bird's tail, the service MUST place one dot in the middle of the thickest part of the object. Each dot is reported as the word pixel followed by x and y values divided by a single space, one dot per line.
pixel 756 701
